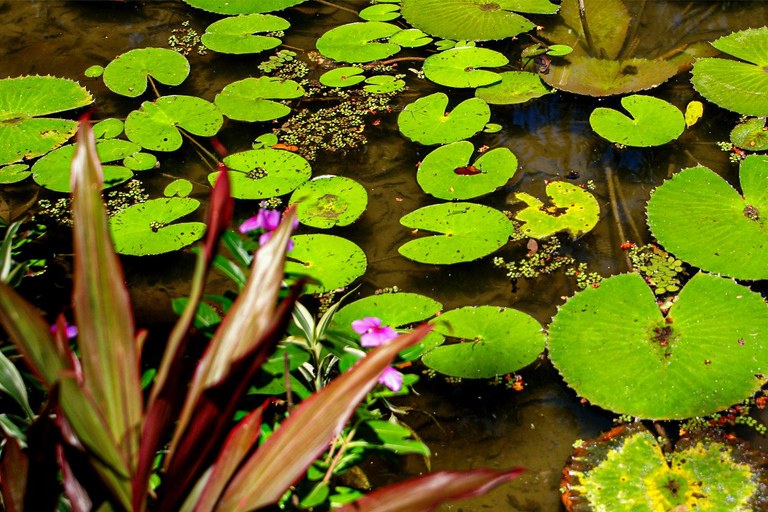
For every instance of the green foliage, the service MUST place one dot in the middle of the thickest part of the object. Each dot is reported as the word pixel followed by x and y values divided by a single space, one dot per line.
pixel 358 42
pixel 128 73
pixel 427 121
pixel 515 87
pixel 459 67
pixel 242 6
pixel 751 135
pixel 345 76
pixel 654 122
pixel 238 34
pixel 659 269
pixel 250 99
pixel 380 12
pixel 264 173
pixel 328 201
pixel 574 210
pixel 180 188
pixel 410 38
pixel 333 262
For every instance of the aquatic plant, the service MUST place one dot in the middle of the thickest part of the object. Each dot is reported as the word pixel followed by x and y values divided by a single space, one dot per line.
pixel 264 173
pixel 128 73
pixel 427 121
pixel 461 67
pixel 750 135
pixel 242 6
pixel 327 201
pixel 359 42
pixel 241 34
pixel 514 87
pixel 574 210
pixel 251 99
pixel 653 122
pixel 330 261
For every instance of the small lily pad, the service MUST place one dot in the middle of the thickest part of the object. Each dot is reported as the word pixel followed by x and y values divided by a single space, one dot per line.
pixel 328 201
pixel 654 122
pixel 751 135
pixel 145 228
pixel 264 173
pixel 108 128
pixel 251 99
pixel 495 341
pixel 458 67
pixel 140 161
pixel 693 112
pixel 333 261
pixel 380 12
pixel 342 77
pixel 410 38
pixel 94 71
pixel 265 141
pixel 238 34
pixel 243 6
pixel 426 120
pixel 358 42
pixel 14 173
pixel 383 84
pixel 468 231
pixel 127 74
pixel 574 210
pixel 179 188
pixel 515 87
pixel 446 174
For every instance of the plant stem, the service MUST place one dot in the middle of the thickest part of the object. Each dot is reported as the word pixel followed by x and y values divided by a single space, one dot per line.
pixel 337 458
pixel 154 87
pixel 585 28
pixel 287 371
pixel 615 209
pixel 200 146
pixel 324 2
pixel 623 203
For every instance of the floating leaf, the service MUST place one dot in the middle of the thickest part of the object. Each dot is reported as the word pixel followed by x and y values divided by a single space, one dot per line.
pixel 558 50
pixel 180 188
pixel 127 74
pixel 264 173
pixel 331 260
pixel 383 84
pixel 458 67
pixel 751 135
pixel 701 219
pixel 250 99
pixel 617 350
pixel 237 34
pixel 328 201
pixel 140 161
pixel 693 112
pixel 108 128
pixel 242 6
pixel 654 122
pixel 156 124
pixel 426 120
pixel 380 12
pixel 145 228
pixel 574 210
pixel 515 87
pixel 357 42
pixel 498 341
pixel 342 77
pixel 22 133
pixel 265 141
pixel 410 38
pixel 608 21
pixel 468 232
pixel 14 173
pixel 440 173
pixel 492 128
pixel 94 71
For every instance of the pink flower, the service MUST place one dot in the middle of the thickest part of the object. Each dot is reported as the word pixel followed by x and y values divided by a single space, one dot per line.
pixel 371 331
pixel 264 219
pixel 391 378
pixel 71 330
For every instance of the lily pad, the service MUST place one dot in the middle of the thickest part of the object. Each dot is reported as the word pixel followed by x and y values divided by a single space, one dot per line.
pixel 156 124
pixel 735 85
pixel 333 261
pixel 654 122
pixel 238 34
pixel 458 67
pixel 14 173
pixel 701 219
pixel 264 173
pixel 410 38
pixel 145 228
pixel 328 201
pixel 179 188
pixel 358 42
pixel 383 84
pixel 243 6
pixel 615 348
pixel 751 135
pixel 515 87
pixel 127 74
pixel 574 210
pixel 380 12
pixel 22 133
pixel 251 99
pixel 108 128
pixel 342 77
pixel 94 71
pixel 626 470
pixel 426 120
pixel 467 232
pixel 446 174
pixel 608 21
pixel 495 341
pixel 476 20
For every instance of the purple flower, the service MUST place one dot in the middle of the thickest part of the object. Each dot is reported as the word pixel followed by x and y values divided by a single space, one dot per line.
pixel 264 219
pixel 371 331
pixel 391 378
pixel 71 330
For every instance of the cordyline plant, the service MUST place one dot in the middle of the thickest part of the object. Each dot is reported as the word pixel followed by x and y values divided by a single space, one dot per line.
pixel 97 430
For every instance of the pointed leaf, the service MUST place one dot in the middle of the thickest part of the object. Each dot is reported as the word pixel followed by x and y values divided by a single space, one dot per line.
pixel 13 476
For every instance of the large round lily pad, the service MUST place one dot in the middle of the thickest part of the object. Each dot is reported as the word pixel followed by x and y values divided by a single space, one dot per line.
pixel 145 228
pixel 654 122
pixel 735 85
pixel 22 134
pixel 238 34
pixel 468 231
pixel 495 341
pixel 574 210
pixel 615 348
pixel 515 87
pixel 751 135
pixel 156 124
pixel 251 99
pixel 243 6
pixel 328 201
pixel 127 73
pixel 473 20
pixel 459 67
pixel 446 174
pixel 626 470
pixel 264 173
pixel 358 42
pixel 331 260
pixel 427 121
pixel 701 219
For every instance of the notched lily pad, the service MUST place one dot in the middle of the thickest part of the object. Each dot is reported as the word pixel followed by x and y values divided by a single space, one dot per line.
pixel 128 73
pixel 410 38
pixel 264 173
pixel 243 6
pixel 654 122
pixel 380 12
pixel 358 42
pixel 751 135
pixel 573 210
pixel 108 128
pixel 459 67
pixel 179 188
pixel 346 76
pixel 515 87
pixel 239 34
pixel 251 99
pixel 426 120
pixel 14 173
pixel 333 261
pixel 328 201
pixel 383 84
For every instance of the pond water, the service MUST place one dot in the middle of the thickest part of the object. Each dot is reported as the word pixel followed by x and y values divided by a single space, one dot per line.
pixel 469 424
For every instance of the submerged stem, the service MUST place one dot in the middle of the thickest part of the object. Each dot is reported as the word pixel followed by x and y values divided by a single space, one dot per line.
pixel 615 208
pixel 330 4
pixel 585 28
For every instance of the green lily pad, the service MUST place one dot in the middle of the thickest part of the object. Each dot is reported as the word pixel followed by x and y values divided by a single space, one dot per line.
pixel 264 173
pixel 383 84
pixel 446 174
pixel 14 173
pixel 243 6
pixel 380 12
pixel 615 348
pixel 127 74
pixel 238 34
pixel 145 228
pixel 654 122
pixel 333 261
pixel 108 128
pixel 265 141
pixel 476 20
pixel 608 21
pixel 735 85
pixel 140 161
pixel 468 232
pixel 701 219
pixel 626 470
pixel 574 210
pixel 458 67
pixel 495 341
pixel 22 134
pixel 426 120
pixel 250 99
pixel 358 42
pixel 156 124
pixel 410 38
pixel 94 71
pixel 751 135
pixel 342 77
pixel 515 87
pixel 179 188
pixel 328 201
